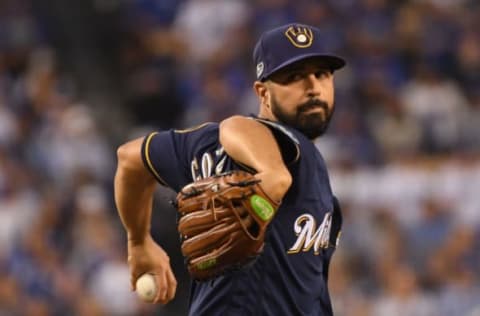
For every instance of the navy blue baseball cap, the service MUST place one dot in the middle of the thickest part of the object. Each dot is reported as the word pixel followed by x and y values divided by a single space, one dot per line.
pixel 287 44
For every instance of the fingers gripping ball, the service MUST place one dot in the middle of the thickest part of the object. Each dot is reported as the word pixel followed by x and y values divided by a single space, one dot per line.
pixel 146 287
pixel 222 222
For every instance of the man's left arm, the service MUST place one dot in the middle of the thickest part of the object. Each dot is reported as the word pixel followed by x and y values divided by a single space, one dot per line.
pixel 253 144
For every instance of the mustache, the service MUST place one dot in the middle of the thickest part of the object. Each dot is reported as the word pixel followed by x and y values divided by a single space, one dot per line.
pixel 312 104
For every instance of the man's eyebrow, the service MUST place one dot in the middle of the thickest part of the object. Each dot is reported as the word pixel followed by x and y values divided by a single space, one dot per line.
pixel 294 68
pixel 324 69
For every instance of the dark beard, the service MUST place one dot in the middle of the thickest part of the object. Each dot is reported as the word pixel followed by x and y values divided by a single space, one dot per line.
pixel 311 125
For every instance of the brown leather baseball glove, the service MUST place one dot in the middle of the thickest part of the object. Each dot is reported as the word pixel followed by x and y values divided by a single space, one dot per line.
pixel 222 222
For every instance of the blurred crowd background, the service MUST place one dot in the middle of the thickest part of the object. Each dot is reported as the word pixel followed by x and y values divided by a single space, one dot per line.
pixel 78 78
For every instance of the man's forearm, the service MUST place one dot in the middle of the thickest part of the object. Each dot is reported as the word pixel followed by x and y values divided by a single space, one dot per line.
pixel 134 188
pixel 252 144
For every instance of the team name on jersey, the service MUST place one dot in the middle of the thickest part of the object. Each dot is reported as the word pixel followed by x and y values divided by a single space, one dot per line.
pixel 207 166
pixel 309 235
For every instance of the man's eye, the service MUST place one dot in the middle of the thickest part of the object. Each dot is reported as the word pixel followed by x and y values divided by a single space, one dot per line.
pixel 322 73
pixel 294 77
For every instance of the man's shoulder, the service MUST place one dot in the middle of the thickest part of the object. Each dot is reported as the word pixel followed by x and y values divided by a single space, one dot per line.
pixel 198 129
pixel 198 134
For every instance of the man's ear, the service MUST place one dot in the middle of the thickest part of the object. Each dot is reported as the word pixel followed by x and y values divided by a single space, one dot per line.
pixel 262 93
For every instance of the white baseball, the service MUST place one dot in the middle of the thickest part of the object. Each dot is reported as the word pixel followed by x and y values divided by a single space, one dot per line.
pixel 146 287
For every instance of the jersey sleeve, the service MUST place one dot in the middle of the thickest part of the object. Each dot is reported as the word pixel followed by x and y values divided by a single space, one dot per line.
pixel 160 157
pixel 167 154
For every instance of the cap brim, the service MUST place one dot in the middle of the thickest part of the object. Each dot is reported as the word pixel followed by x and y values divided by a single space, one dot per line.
pixel 334 62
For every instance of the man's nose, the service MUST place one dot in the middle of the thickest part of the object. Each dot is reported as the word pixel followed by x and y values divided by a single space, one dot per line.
pixel 312 85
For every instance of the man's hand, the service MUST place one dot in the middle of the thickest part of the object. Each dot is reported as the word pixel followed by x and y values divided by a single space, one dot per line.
pixel 147 256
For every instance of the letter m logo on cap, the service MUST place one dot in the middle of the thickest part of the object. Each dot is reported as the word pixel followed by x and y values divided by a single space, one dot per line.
pixel 300 37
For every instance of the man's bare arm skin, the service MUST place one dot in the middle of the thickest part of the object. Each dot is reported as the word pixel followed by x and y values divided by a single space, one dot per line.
pixel 134 188
pixel 253 144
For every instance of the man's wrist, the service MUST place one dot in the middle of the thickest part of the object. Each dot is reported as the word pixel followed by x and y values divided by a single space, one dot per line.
pixel 275 184
pixel 135 238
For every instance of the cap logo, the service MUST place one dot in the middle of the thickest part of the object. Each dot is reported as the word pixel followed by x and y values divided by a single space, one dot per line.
pixel 301 37
pixel 260 67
